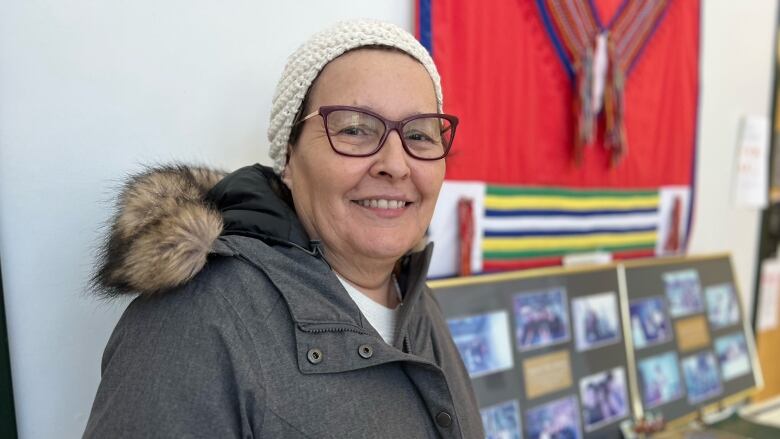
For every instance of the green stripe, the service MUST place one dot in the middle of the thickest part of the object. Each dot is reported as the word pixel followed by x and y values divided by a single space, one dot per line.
pixel 559 192
pixel 503 255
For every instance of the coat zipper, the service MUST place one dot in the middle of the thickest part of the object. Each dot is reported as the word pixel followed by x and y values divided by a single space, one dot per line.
pixel 335 329
pixel 324 327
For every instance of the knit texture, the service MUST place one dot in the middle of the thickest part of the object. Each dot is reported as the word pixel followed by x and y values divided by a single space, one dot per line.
pixel 309 59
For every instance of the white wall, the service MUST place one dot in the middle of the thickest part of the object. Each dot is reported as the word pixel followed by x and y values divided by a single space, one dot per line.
pixel 737 62
pixel 89 90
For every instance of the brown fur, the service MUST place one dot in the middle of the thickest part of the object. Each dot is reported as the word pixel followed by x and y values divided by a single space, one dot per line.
pixel 161 233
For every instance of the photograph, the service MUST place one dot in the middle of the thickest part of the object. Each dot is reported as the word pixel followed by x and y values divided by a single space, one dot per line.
pixel 596 320
pixel 701 376
pixel 484 342
pixel 684 292
pixel 604 398
pixel 733 356
pixel 649 322
pixel 541 318
pixel 660 379
pixel 557 419
pixel 722 306
pixel 502 421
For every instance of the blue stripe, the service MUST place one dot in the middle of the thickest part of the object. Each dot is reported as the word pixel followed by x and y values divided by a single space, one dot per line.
pixel 425 25
pixel 574 213
pixel 548 26
pixel 521 233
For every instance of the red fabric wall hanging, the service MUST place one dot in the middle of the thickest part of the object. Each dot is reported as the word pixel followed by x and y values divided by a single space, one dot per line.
pixel 507 74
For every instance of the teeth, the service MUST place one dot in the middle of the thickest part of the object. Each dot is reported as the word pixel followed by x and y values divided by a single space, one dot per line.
pixel 382 204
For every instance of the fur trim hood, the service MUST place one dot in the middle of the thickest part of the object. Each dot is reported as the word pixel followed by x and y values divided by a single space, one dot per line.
pixel 168 220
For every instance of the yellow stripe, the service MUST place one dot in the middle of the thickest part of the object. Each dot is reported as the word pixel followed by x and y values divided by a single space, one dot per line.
pixel 526 202
pixel 567 242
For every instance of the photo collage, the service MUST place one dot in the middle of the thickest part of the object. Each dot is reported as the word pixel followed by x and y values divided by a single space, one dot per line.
pixel 694 367
pixel 546 327
pixel 549 358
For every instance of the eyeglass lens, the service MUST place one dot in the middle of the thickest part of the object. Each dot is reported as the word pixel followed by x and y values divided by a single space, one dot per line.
pixel 356 133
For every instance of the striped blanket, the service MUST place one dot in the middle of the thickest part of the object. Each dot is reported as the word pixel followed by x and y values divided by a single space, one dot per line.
pixel 517 227
pixel 524 227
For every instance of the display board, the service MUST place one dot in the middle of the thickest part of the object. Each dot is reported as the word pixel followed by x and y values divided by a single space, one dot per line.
pixel 576 351
pixel 691 344
pixel 545 350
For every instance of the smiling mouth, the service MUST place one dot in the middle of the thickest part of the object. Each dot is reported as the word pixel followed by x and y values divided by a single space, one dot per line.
pixel 382 203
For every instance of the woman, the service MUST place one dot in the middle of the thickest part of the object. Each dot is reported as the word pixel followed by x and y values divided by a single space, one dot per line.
pixel 289 302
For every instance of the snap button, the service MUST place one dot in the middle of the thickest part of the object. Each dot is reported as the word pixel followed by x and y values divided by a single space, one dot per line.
pixel 366 351
pixel 444 419
pixel 314 356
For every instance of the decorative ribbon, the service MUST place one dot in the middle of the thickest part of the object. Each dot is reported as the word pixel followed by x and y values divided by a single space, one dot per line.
pixel 465 235
pixel 672 242
pixel 598 58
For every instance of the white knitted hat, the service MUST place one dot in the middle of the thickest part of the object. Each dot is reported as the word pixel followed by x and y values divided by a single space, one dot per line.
pixel 307 61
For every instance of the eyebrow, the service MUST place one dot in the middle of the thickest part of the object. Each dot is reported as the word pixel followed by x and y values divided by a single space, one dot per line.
pixel 374 110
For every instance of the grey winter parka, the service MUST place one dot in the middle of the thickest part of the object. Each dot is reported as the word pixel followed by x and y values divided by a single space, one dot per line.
pixel 263 341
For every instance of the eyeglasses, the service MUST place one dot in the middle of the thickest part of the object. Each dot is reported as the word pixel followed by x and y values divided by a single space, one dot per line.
pixel 356 132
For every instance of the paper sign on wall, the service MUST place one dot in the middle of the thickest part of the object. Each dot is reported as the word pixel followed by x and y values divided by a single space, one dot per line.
pixel 752 163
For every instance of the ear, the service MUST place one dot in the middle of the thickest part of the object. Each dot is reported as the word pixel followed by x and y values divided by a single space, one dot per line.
pixel 287 172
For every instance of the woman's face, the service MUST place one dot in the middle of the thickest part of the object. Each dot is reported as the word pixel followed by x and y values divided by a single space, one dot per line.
pixel 329 189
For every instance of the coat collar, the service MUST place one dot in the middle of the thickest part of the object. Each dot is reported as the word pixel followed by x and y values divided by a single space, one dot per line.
pixel 311 290
pixel 254 202
pixel 324 315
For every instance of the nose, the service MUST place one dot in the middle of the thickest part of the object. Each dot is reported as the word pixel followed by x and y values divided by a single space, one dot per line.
pixel 392 160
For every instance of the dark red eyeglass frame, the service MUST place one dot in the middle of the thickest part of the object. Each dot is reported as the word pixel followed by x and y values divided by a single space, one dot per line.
pixel 390 125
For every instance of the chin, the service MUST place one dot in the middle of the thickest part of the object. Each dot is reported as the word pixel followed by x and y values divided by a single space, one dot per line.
pixel 386 247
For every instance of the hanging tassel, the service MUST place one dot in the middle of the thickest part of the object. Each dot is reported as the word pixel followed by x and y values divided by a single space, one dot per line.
pixel 591 83
pixel 600 70
pixel 583 106
pixel 614 133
